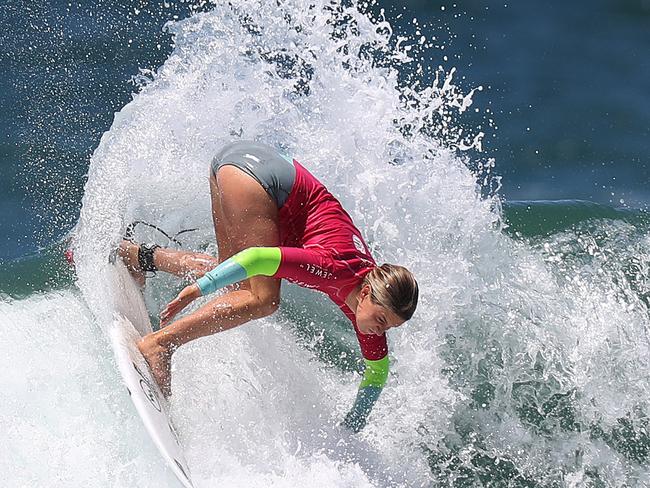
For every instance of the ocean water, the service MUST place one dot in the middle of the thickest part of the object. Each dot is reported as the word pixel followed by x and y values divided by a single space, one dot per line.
pixel 526 362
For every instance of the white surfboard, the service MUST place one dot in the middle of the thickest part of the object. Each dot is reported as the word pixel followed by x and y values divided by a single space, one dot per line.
pixel 149 401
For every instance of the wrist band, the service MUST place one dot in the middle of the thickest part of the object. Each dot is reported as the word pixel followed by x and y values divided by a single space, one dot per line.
pixel 145 257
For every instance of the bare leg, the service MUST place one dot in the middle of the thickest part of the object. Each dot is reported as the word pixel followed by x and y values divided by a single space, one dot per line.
pixel 222 313
pixel 244 216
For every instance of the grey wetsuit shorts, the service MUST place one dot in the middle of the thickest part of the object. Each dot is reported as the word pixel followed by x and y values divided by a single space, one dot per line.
pixel 274 171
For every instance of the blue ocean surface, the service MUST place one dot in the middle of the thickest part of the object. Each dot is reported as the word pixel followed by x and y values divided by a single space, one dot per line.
pixel 527 366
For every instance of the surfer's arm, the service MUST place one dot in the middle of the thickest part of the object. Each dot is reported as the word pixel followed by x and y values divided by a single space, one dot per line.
pixel 253 261
pixel 308 267
pixel 277 262
pixel 374 379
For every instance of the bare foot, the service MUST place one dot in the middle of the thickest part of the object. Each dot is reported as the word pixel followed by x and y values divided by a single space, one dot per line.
pixel 128 251
pixel 159 359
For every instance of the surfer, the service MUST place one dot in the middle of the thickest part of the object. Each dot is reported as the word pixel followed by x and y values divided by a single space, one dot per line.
pixel 273 219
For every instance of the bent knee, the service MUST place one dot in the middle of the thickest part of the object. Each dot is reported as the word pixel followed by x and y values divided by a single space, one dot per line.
pixel 266 293
pixel 266 307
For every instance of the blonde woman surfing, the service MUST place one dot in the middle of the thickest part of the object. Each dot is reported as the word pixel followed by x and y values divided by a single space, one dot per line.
pixel 274 220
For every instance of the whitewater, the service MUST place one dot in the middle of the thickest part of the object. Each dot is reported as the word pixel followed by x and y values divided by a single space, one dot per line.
pixel 525 364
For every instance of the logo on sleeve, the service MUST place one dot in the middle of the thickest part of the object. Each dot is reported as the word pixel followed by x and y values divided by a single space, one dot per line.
pixel 318 271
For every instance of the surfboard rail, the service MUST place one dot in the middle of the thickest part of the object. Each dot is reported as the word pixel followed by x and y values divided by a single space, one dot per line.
pixel 145 394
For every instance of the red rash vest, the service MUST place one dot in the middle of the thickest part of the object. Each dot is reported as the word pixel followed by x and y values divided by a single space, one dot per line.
pixel 322 249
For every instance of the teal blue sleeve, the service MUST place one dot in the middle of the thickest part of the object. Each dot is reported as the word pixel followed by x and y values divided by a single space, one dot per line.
pixel 374 379
pixel 254 261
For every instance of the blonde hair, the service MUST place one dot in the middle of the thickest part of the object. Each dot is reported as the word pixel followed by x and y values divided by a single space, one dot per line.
pixel 393 287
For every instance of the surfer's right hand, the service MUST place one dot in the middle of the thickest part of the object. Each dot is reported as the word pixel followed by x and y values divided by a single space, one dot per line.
pixel 184 298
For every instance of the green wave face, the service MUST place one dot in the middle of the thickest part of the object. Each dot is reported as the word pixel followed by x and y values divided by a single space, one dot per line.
pixel 43 271
pixel 530 218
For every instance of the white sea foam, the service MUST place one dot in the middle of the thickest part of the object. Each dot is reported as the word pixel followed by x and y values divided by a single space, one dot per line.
pixel 65 417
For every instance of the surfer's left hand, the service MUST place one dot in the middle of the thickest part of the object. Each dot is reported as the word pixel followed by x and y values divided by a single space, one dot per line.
pixel 184 298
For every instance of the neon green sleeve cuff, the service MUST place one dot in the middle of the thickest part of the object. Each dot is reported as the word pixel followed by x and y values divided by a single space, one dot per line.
pixel 374 379
pixel 250 262
pixel 257 261
pixel 376 372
